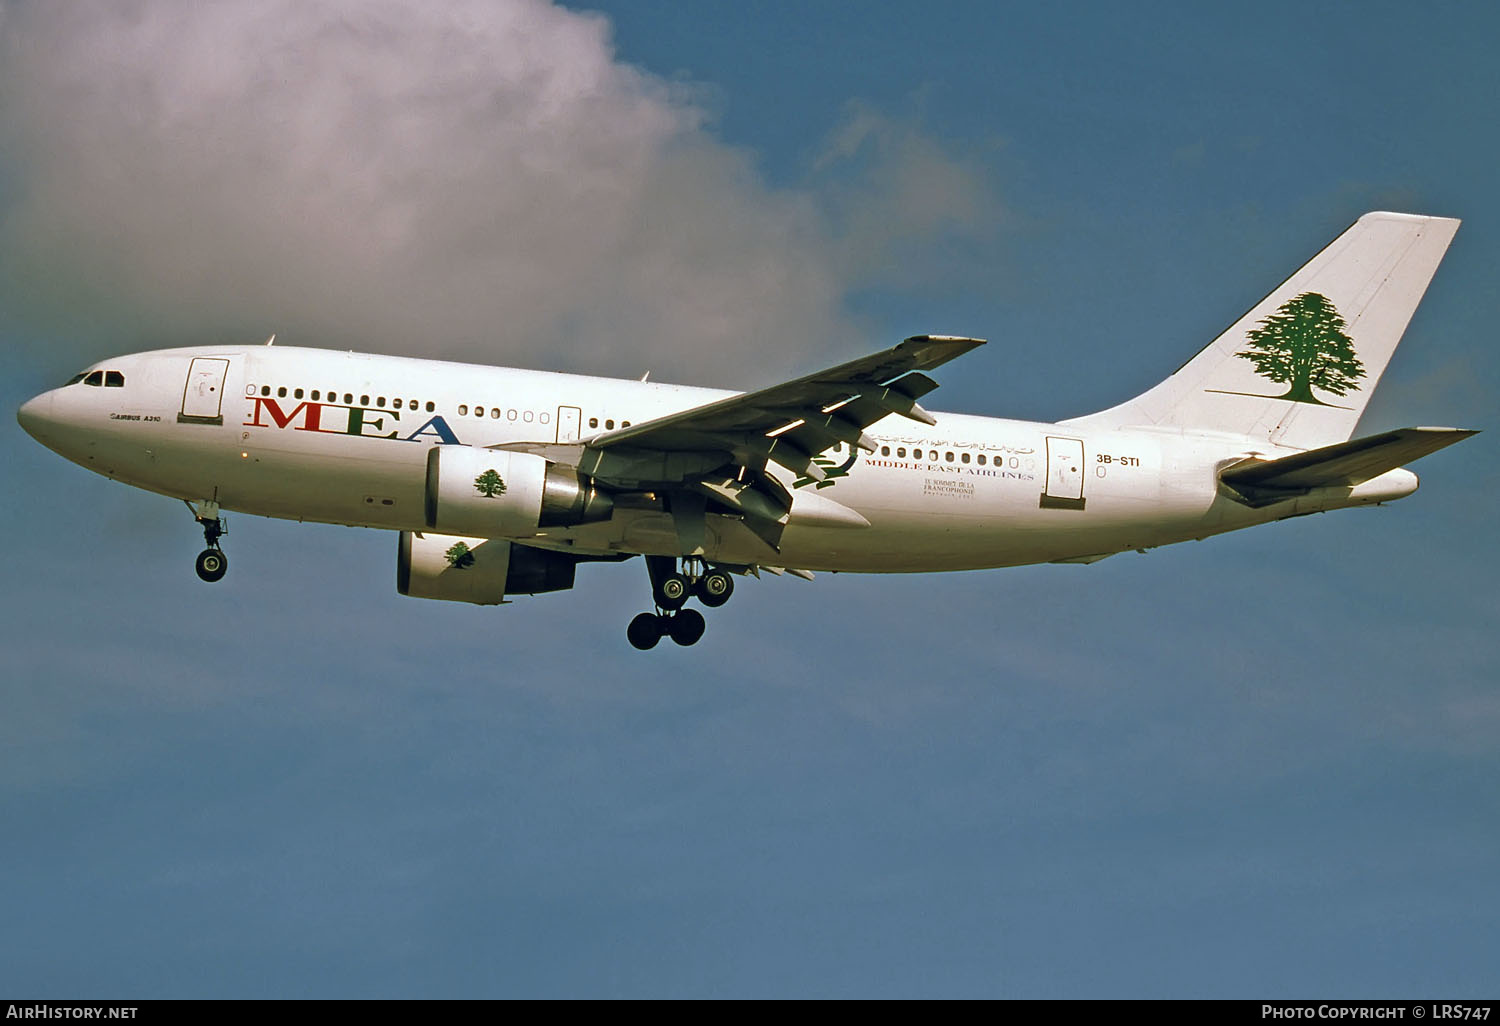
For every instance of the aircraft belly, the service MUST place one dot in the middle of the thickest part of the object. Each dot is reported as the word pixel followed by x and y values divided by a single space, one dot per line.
pixel 374 483
pixel 371 489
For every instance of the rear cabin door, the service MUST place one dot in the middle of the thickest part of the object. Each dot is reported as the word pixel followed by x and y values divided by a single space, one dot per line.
pixel 203 395
pixel 1064 474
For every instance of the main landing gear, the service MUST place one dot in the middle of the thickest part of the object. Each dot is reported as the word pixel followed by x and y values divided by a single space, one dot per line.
pixel 211 563
pixel 671 587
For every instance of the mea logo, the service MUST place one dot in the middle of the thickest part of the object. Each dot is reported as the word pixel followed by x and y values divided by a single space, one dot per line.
pixel 334 419
pixel 460 556
pixel 1304 345
pixel 490 484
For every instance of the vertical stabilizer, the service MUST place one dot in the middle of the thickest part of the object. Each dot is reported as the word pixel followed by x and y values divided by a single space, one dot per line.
pixel 1298 369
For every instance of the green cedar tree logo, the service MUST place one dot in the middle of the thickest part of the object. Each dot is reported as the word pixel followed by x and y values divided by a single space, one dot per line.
pixel 490 484
pixel 1304 345
pixel 460 557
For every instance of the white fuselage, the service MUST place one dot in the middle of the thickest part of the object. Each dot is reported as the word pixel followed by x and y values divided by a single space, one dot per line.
pixel 343 438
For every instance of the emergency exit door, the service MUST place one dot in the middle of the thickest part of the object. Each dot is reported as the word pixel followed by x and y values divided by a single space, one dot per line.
pixel 569 422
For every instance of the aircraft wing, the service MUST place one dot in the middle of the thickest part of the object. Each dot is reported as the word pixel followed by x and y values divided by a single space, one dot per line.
pixel 714 457
pixel 792 423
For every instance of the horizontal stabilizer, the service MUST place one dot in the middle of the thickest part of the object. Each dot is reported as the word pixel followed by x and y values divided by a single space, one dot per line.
pixel 1345 464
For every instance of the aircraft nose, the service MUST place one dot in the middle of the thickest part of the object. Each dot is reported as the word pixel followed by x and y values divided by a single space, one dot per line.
pixel 35 415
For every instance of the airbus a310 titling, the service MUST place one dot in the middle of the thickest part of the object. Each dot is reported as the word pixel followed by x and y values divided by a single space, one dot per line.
pixel 501 481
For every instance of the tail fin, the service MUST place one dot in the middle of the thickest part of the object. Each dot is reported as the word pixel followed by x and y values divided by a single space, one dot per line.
pixel 1298 369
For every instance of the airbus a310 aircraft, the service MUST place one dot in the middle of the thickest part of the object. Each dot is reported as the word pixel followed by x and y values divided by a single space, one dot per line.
pixel 502 481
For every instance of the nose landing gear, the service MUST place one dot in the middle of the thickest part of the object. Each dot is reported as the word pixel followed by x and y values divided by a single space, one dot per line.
pixel 670 589
pixel 211 563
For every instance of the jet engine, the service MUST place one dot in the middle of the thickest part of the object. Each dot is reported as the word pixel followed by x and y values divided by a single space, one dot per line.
pixel 479 570
pixel 491 492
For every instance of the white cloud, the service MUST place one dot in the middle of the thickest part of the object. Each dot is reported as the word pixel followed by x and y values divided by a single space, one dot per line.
pixel 475 179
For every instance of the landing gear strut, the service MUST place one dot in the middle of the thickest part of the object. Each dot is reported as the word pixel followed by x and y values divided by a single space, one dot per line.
pixel 671 587
pixel 211 563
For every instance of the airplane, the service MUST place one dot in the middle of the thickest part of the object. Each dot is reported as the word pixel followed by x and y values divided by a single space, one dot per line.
pixel 501 481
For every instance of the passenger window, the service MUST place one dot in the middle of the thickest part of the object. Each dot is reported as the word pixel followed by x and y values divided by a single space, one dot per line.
pixel 479 411
pixel 901 452
pixel 965 457
pixel 463 409
pixel 94 378
pixel 609 425
pixel 885 450
pixel 593 421
pixel 265 389
pixel 364 400
pixel 114 379
pixel 297 394
pixel 495 413
pixel 430 407
pixel 527 416
pixel 544 418
pixel 623 423
pixel 380 401
pixel 281 392
pixel 396 403
pixel 981 459
pixel 948 456
pixel 510 414
pixel 411 404
pixel 931 455
pixel 315 394
pixel 349 398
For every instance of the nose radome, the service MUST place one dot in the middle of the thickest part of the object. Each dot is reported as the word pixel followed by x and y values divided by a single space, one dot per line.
pixel 35 414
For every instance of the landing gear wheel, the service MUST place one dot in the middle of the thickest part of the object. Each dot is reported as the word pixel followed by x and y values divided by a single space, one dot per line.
pixel 687 627
pixel 673 591
pixel 645 631
pixel 714 588
pixel 212 564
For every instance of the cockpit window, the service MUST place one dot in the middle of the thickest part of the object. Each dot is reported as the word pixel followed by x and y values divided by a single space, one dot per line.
pixel 94 378
pixel 114 379
pixel 75 379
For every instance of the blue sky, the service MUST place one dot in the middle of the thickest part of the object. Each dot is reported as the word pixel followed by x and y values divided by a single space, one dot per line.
pixel 1263 764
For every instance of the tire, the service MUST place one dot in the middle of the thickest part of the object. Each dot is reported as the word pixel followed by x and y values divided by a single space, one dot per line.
pixel 687 627
pixel 715 588
pixel 212 565
pixel 644 631
pixel 673 591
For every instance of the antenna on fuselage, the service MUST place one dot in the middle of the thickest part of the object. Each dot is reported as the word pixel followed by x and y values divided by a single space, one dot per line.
pixel 645 375
pixel 272 340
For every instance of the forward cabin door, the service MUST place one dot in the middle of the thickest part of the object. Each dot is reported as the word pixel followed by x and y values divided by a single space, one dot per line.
pixel 569 423
pixel 1064 474
pixel 203 395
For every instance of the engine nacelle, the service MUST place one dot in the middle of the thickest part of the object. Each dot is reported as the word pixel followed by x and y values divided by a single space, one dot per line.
pixel 478 570
pixel 491 492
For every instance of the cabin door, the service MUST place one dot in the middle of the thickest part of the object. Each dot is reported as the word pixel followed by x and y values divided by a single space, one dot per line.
pixel 203 395
pixel 1064 474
